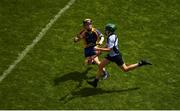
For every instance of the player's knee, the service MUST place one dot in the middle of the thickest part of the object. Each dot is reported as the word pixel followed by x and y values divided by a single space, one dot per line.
pixel 98 63
pixel 125 69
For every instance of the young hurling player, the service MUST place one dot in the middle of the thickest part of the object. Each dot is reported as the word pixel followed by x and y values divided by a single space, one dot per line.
pixel 91 37
pixel 114 55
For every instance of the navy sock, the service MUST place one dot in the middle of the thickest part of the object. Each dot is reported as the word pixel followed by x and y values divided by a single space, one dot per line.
pixel 96 80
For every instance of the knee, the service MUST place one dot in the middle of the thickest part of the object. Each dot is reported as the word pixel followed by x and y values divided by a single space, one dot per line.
pixel 98 63
pixel 125 69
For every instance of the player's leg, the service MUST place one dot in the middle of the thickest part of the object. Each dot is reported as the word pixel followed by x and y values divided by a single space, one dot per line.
pixel 100 71
pixel 127 68
pixel 90 55
pixel 119 61
pixel 104 73
pixel 86 62
pixel 87 54
pixel 101 67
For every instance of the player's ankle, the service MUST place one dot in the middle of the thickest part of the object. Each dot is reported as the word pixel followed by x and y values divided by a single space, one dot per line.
pixel 140 64
pixel 96 80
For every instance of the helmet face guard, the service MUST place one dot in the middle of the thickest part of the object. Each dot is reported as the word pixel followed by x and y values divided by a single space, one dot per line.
pixel 87 22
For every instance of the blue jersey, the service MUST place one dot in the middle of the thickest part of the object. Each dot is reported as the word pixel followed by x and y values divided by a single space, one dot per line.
pixel 90 37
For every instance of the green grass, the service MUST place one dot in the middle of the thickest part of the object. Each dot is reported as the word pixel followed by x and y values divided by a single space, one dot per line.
pixel 52 75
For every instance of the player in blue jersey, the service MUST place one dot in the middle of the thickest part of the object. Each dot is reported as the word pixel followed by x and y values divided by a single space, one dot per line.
pixel 92 37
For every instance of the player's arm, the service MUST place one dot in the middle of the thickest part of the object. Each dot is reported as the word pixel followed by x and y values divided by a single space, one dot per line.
pixel 103 49
pixel 101 36
pixel 108 46
pixel 101 39
pixel 78 37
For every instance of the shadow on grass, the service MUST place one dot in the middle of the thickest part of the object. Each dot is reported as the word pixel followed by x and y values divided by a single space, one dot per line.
pixel 85 92
pixel 75 76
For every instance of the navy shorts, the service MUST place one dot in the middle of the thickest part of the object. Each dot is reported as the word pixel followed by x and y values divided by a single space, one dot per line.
pixel 117 59
pixel 89 51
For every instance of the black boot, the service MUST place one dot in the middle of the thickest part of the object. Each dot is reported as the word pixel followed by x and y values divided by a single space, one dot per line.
pixel 93 83
pixel 144 62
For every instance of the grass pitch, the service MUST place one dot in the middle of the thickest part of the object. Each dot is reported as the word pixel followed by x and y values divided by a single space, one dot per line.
pixel 52 75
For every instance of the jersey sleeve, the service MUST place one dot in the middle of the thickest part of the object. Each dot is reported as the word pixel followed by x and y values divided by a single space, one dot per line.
pixel 80 34
pixel 98 32
pixel 100 37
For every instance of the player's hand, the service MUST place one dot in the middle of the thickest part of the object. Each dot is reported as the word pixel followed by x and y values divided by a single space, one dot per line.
pixel 76 39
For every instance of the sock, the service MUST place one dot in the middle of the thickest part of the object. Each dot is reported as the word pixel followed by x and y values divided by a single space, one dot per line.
pixel 104 73
pixel 96 80
pixel 140 64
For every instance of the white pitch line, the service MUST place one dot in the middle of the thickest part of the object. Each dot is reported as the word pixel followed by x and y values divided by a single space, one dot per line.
pixel 35 41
